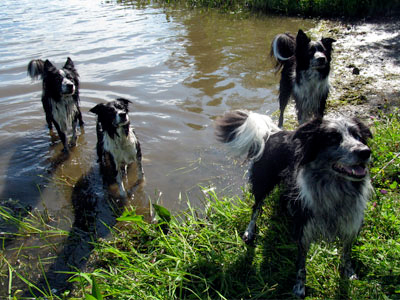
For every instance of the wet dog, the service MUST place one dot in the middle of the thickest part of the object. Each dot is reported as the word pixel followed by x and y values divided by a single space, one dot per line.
pixel 60 96
pixel 117 144
pixel 323 170
pixel 305 67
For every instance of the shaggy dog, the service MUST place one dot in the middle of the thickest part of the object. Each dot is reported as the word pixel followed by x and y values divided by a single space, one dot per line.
pixel 323 170
pixel 117 144
pixel 60 96
pixel 305 67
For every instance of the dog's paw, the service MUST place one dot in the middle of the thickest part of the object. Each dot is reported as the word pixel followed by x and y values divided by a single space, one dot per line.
pixel 248 237
pixel 299 289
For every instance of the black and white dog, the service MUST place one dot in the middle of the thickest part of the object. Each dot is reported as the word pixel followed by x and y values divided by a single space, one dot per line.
pixel 323 168
pixel 117 144
pixel 305 67
pixel 60 96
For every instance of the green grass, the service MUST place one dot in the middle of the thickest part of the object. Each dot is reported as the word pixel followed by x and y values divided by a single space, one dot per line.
pixel 200 254
pixel 327 8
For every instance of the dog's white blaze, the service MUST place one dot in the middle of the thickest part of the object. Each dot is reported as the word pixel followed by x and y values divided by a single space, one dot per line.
pixel 252 134
pixel 63 111
pixel 122 147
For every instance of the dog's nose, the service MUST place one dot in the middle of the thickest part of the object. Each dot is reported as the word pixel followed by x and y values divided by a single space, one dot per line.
pixel 364 153
pixel 321 60
pixel 122 116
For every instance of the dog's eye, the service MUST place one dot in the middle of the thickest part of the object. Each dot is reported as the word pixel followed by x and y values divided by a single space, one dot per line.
pixel 334 138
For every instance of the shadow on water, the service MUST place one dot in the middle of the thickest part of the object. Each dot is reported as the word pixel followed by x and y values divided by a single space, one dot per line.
pixel 23 185
pixel 95 210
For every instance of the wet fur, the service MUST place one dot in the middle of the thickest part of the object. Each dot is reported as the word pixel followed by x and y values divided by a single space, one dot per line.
pixel 305 67
pixel 117 144
pixel 322 169
pixel 60 96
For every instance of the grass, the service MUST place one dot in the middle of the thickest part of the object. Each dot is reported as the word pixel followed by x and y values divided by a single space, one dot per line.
pixel 326 8
pixel 200 255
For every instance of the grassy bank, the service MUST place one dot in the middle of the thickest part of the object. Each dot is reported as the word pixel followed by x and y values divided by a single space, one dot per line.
pixel 200 255
pixel 326 8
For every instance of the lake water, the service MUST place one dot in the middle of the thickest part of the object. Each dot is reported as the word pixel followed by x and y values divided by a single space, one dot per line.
pixel 180 67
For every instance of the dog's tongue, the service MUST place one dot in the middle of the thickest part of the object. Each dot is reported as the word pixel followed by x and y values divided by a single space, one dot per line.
pixel 356 170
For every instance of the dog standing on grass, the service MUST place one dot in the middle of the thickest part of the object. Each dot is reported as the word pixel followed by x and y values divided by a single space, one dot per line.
pixel 305 67
pixel 117 144
pixel 323 168
pixel 60 96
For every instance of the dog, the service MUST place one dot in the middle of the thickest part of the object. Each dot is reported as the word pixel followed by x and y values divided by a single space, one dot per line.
pixel 322 167
pixel 117 144
pixel 60 96
pixel 305 67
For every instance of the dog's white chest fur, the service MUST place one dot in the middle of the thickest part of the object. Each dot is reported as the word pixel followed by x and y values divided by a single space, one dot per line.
pixel 64 111
pixel 122 147
pixel 337 208
pixel 309 92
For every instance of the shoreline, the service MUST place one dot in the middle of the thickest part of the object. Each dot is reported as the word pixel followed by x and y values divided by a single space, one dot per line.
pixel 365 76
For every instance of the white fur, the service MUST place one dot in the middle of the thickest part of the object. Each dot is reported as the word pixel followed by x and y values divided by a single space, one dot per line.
pixel 64 112
pixel 309 91
pixel 252 134
pixel 122 147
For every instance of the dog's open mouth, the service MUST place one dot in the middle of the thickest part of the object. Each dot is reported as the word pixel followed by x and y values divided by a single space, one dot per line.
pixel 355 171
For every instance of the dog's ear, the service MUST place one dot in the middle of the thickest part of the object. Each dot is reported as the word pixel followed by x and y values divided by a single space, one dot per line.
pixel 48 66
pixel 306 137
pixel 69 64
pixel 364 130
pixel 327 42
pixel 302 38
pixel 97 109
pixel 124 102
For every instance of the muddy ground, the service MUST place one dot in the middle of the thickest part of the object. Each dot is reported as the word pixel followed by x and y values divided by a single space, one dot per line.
pixel 365 74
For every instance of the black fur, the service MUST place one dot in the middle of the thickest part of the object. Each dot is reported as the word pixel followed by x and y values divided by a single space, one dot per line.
pixel 322 169
pixel 58 89
pixel 305 67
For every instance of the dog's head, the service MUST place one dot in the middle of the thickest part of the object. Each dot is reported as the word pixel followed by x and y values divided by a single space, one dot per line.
pixel 112 115
pixel 313 54
pixel 338 146
pixel 60 82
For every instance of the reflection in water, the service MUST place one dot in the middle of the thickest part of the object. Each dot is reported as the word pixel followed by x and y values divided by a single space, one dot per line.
pixel 180 68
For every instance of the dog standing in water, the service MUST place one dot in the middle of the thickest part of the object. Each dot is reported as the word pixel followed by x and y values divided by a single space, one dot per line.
pixel 60 96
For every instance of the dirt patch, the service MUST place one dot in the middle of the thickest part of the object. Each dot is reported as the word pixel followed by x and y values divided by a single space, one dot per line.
pixel 365 74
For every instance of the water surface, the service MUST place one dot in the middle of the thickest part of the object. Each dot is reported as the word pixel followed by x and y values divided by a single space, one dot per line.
pixel 181 68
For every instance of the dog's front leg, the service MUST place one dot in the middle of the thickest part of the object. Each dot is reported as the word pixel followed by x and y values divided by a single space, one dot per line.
pixel 122 191
pixel 299 288
pixel 74 138
pixel 346 269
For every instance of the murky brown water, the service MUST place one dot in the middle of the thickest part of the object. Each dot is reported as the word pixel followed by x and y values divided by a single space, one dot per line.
pixel 181 68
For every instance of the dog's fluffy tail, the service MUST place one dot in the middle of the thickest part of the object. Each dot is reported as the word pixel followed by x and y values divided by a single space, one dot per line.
pixel 36 68
pixel 245 132
pixel 283 48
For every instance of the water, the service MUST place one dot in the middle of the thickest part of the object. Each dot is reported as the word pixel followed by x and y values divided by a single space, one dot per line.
pixel 181 68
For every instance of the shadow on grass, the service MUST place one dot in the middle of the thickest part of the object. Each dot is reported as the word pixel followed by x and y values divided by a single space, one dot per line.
pixel 264 270
pixel 95 210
